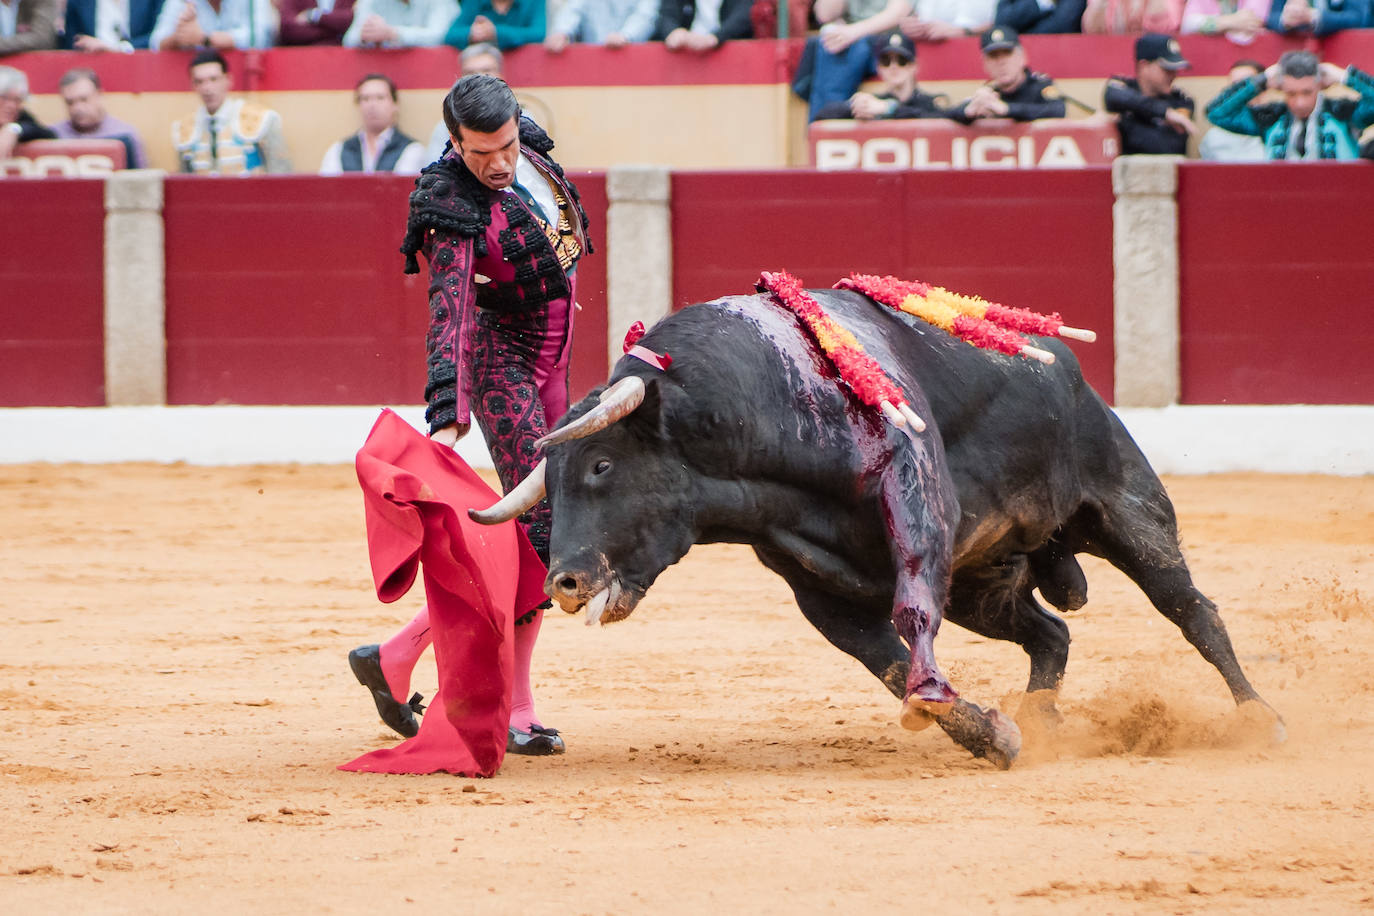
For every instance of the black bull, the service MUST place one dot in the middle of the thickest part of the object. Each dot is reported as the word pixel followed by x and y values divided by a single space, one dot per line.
pixel 749 437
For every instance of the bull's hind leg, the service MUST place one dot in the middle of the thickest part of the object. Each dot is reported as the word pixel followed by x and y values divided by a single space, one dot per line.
pixel 865 631
pixel 996 601
pixel 1137 533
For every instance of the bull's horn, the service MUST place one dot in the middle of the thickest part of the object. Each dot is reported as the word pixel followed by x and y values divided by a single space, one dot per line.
pixel 520 499
pixel 617 402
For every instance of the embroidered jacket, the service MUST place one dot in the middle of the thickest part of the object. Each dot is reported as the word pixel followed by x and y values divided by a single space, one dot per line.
pixel 241 139
pixel 486 250
pixel 1339 121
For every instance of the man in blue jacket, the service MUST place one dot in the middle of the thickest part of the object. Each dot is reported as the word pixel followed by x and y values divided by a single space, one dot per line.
pixel 1041 17
pixel 124 25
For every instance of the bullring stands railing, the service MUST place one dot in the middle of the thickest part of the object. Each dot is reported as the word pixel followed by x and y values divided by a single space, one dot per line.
pixel 728 109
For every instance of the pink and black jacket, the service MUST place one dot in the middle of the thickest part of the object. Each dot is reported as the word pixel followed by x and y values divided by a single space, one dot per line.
pixel 487 252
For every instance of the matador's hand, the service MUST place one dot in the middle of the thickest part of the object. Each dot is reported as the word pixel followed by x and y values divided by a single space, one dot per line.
pixel 450 435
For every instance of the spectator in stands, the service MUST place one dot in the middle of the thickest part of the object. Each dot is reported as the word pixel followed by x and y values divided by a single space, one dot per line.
pixel 478 58
pixel 1152 115
pixel 1128 17
pixel 27 25
pixel 88 120
pixel 400 23
pixel 16 124
pixel 899 97
pixel 1318 17
pixel 110 25
pixel 185 25
pixel 1220 145
pixel 227 136
pixel 1241 21
pixel 504 23
pixel 702 25
pixel 1013 90
pixel 938 20
pixel 314 22
pixel 482 58
pixel 835 63
pixel 1041 17
pixel 1306 125
pixel 611 23
pixel 379 146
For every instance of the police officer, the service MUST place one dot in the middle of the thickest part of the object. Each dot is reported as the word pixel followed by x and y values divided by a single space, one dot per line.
pixel 1013 90
pixel 1152 115
pixel 899 97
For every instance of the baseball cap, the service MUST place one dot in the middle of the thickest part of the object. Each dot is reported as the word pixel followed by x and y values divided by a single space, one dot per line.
pixel 998 38
pixel 894 43
pixel 1162 49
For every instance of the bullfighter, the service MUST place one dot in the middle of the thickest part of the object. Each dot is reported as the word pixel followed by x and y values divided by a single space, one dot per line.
pixel 502 229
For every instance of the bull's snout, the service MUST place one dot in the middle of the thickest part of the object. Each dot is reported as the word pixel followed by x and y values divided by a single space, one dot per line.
pixel 588 586
pixel 570 588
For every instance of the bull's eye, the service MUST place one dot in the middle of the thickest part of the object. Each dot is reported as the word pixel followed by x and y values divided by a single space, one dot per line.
pixel 601 466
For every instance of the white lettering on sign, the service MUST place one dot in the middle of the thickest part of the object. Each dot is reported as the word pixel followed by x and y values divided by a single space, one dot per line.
pixel 1062 153
pixel 836 155
pixel 984 151
pixel 87 165
pixel 920 155
pixel 991 152
pixel 885 154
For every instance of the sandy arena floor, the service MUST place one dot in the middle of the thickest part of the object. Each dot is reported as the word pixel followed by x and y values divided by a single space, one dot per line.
pixel 174 697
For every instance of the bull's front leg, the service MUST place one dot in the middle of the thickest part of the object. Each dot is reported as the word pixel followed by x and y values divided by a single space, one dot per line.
pixel 928 694
pixel 919 510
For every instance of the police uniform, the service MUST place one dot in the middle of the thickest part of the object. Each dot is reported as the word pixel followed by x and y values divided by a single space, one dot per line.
pixel 1037 96
pixel 1140 117
pixel 917 105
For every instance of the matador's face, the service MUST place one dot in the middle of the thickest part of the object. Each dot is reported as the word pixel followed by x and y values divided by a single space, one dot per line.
pixel 491 157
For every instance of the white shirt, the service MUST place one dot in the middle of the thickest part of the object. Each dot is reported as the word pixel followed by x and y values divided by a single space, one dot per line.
pixel 234 16
pixel 963 14
pixel 418 23
pixel 112 21
pixel 707 18
pixel 412 158
pixel 533 181
pixel 9 17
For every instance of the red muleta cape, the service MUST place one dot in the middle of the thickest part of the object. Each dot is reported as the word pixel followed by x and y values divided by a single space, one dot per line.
pixel 478 578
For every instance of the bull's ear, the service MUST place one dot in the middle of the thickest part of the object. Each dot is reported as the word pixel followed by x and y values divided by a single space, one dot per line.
pixel 647 418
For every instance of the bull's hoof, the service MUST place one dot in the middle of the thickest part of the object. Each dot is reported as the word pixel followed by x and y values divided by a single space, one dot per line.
pixel 919 714
pixel 1038 711
pixel 1005 745
pixel 1261 718
pixel 986 733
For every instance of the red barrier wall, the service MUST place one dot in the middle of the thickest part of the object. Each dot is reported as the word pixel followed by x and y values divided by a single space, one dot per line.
pixel 52 292
pixel 589 361
pixel 1034 239
pixel 277 287
pixel 290 289
pixel 1276 278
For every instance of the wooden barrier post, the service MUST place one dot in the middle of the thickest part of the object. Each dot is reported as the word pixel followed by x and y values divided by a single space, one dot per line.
pixel 135 294
pixel 639 260
pixel 1145 286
